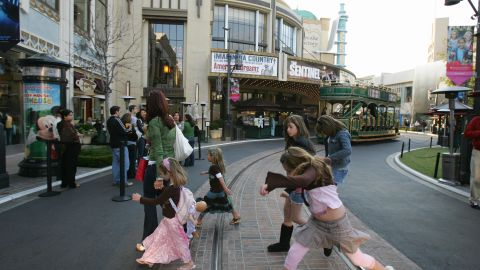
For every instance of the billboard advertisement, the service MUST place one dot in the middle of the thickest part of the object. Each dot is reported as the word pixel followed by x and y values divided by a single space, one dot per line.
pixel 460 53
pixel 251 64
pixel 9 24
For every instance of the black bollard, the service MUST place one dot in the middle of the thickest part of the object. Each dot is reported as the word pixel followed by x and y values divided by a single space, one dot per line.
pixel 50 191
pixel 122 197
pixel 435 173
pixel 4 178
pixel 431 140
pixel 409 140
pixel 403 146
pixel 199 146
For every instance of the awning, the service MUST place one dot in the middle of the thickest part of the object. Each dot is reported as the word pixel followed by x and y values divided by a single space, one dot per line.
pixel 459 106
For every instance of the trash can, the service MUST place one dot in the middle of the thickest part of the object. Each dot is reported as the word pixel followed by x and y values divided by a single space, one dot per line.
pixel 451 167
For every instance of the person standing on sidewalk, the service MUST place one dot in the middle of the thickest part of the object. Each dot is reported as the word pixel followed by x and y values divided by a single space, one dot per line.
pixel 472 131
pixel 141 118
pixel 339 146
pixel 188 132
pixel 8 128
pixel 118 137
pixel 296 134
pixel 328 223
pixel 161 134
pixel 70 148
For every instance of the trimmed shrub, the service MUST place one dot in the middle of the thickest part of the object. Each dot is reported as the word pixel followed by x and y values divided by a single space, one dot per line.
pixel 95 156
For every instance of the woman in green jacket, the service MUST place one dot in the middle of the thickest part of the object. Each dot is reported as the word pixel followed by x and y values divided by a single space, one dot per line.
pixel 161 136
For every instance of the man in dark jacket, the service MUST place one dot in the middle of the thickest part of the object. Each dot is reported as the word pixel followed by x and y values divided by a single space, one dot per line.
pixel 118 138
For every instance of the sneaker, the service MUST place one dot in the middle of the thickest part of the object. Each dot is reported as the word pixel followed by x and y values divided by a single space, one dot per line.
pixel 474 205
pixel 128 184
pixel 389 267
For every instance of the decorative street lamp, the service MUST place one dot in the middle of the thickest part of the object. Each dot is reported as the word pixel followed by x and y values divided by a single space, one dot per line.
pixel 203 104
pixel 451 161
pixel 227 123
pixel 466 146
pixel 127 100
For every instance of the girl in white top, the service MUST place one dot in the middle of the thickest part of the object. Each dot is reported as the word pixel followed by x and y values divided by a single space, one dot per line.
pixel 328 224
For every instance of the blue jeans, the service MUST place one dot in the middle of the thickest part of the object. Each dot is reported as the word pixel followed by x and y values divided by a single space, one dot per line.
pixel 116 164
pixel 339 175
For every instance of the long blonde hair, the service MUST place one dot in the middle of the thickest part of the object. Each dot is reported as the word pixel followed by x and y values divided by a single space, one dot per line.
pixel 328 125
pixel 178 175
pixel 297 120
pixel 296 161
pixel 217 158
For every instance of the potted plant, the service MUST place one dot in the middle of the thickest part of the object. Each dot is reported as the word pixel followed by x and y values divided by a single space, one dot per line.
pixel 87 132
pixel 216 129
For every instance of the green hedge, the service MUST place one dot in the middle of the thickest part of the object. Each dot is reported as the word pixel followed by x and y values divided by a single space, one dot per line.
pixel 95 156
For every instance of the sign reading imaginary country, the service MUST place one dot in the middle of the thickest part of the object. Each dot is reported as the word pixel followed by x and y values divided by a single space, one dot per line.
pixel 460 53
pixel 304 70
pixel 9 24
pixel 251 64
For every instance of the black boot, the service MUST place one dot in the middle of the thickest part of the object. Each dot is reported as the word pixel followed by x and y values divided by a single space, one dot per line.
pixel 327 252
pixel 284 244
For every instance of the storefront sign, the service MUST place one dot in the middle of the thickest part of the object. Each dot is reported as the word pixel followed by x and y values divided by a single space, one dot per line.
pixel 304 70
pixel 251 64
pixel 9 24
pixel 460 53
pixel 42 71
pixel 38 100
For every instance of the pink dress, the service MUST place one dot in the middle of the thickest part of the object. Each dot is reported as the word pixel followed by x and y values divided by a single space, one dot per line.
pixel 167 243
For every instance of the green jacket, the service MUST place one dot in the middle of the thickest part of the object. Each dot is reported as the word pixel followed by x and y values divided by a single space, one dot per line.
pixel 161 140
pixel 187 130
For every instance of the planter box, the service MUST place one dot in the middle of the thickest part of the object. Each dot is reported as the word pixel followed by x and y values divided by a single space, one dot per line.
pixel 215 134
pixel 85 139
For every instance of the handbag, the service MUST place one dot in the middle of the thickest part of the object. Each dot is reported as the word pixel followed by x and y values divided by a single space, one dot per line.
pixel 181 146
pixel 141 168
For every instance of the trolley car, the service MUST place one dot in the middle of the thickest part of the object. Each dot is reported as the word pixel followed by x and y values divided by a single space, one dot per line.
pixel 369 112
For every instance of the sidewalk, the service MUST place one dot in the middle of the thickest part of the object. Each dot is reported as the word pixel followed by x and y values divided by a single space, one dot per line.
pixel 21 186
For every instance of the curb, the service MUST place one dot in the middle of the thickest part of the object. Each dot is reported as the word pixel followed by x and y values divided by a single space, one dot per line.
pixel 426 178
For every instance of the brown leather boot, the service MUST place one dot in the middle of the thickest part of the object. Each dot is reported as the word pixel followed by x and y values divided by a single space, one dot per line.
pixel 284 244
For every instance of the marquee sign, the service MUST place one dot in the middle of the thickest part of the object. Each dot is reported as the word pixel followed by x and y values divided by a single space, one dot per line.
pixel 305 70
pixel 251 64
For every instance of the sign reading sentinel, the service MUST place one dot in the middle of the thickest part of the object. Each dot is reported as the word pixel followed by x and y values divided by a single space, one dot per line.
pixel 301 71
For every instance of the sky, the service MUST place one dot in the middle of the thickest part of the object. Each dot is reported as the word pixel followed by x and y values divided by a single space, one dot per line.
pixel 388 35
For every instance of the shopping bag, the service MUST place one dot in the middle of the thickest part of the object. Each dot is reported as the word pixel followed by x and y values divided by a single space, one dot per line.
pixel 181 147
pixel 141 168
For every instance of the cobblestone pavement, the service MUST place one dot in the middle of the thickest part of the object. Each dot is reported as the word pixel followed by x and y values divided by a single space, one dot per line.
pixel 244 245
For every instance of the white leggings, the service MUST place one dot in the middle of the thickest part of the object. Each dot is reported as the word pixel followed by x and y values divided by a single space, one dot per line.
pixel 297 252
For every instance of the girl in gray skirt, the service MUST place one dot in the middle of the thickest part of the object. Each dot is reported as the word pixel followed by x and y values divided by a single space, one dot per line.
pixel 328 224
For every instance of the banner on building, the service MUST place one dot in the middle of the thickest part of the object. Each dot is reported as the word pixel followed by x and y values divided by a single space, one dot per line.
pixel 251 64
pixel 460 53
pixel 9 24
pixel 305 70
pixel 234 90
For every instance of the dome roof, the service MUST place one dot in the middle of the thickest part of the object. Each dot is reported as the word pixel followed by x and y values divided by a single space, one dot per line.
pixel 306 14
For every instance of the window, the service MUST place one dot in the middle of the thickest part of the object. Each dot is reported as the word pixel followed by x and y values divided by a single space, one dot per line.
pixel 262 33
pixel 408 94
pixel 218 33
pixel 53 4
pixel 242 29
pixel 287 39
pixel 100 18
pixel 81 14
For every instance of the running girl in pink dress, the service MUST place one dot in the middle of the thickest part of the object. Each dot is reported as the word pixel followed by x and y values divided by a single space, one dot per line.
pixel 168 242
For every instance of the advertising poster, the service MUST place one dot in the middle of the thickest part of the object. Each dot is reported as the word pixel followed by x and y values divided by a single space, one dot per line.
pixel 234 90
pixel 9 24
pixel 38 100
pixel 251 64
pixel 460 53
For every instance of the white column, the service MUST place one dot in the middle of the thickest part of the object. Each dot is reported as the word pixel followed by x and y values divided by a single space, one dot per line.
pixel 257 20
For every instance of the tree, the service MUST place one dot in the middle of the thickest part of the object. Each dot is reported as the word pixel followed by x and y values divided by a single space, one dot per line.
pixel 108 48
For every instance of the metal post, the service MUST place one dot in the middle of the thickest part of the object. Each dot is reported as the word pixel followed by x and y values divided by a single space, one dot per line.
pixel 200 137
pixel 451 105
pixel 403 146
pixel 435 174
pixel 122 197
pixel 409 140
pixel 4 178
pixel 50 191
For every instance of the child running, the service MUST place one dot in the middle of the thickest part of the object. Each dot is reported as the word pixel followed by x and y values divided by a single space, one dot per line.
pixel 218 198
pixel 168 242
pixel 296 134
pixel 328 224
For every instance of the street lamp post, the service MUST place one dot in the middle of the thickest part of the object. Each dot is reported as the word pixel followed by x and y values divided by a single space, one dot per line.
pixel 203 104
pixel 466 147
pixel 227 123
pixel 127 100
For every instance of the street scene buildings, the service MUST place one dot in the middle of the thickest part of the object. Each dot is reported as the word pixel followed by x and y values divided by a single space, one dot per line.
pixel 111 107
